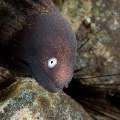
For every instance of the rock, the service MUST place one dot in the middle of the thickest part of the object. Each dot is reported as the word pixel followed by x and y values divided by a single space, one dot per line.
pixel 99 56
pixel 75 11
pixel 26 100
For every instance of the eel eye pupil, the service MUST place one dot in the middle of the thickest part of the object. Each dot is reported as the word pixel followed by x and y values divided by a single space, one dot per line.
pixel 52 62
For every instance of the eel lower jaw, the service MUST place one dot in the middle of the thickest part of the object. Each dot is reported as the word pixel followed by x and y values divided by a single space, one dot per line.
pixel 55 87
pixel 61 86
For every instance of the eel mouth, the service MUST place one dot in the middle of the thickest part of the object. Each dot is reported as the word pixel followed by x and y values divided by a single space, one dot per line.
pixel 63 85
pixel 53 86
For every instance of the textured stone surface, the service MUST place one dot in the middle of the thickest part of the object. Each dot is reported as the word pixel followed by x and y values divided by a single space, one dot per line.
pixel 26 100
pixel 99 37
pixel 75 11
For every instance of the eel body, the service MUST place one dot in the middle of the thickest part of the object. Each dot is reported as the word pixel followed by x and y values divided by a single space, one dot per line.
pixel 48 45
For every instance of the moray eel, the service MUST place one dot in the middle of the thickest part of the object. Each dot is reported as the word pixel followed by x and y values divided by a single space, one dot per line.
pixel 48 45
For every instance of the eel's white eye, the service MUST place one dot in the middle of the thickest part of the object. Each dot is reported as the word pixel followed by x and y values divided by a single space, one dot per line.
pixel 52 62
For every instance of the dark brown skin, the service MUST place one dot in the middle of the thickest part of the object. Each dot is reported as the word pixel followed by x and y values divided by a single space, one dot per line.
pixel 47 36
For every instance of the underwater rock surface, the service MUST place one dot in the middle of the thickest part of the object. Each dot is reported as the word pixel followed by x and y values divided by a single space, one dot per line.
pixel 26 100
